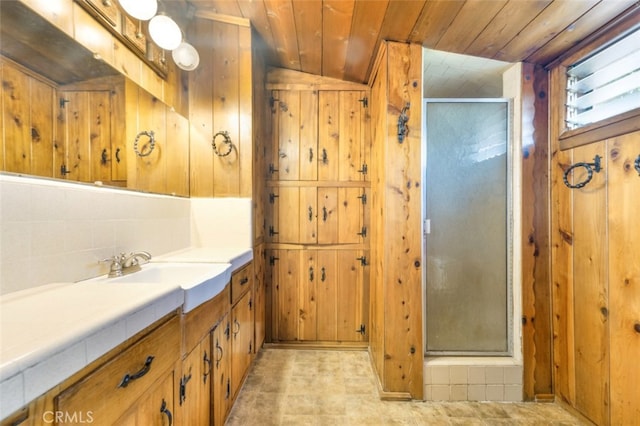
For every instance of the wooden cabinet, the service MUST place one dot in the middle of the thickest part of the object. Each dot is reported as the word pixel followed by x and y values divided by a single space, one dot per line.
pixel 319 295
pixel 317 215
pixel 115 388
pixel 319 135
pixel 242 326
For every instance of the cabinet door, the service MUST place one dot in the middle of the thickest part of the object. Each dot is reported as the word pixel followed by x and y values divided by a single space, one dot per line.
pixel 350 216
pixel 221 386
pixel 342 131
pixel 308 296
pixel 195 385
pixel 327 289
pixel 351 312
pixel 286 274
pixel 26 124
pixel 259 297
pixel 241 340
pixel 295 136
pixel 624 277
pixel 155 408
pixel 327 215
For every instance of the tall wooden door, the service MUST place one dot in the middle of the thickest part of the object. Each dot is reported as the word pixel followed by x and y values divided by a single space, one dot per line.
pixel 624 277
pixel 591 290
pixel 286 273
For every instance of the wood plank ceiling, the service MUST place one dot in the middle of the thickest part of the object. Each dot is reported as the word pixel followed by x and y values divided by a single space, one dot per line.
pixel 340 38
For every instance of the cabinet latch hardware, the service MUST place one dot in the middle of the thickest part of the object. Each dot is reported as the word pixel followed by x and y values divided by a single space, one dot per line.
pixel 363 233
pixel 363 260
pixel 361 330
pixel 272 260
pixel 272 102
pixel 364 169
pixel 272 169
pixel 325 156
pixel 250 304
pixel 128 378
pixel 183 386
pixel 323 274
pixel 311 273
pixel 365 102
pixel 272 231
pixel 227 331
pixel 104 157
pixel 63 170
pixel 363 198
pixel 207 367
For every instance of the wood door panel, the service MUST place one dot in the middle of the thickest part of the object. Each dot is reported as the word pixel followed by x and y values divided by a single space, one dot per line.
pixel 327 295
pixel 624 278
pixel 591 292
pixel 327 215
pixel 42 128
pixel 221 386
pixel 350 216
pixel 287 275
pixel 289 216
pixel 78 148
pixel 100 135
pixel 308 135
pixel 350 160
pixel 289 135
pixel 308 215
pixel 308 295
pixel 328 135
pixel 350 294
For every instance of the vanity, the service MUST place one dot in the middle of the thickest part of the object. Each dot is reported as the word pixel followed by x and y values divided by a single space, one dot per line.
pixel 169 344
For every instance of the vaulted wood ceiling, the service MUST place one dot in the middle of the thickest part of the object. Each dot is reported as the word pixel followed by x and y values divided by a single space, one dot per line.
pixel 339 38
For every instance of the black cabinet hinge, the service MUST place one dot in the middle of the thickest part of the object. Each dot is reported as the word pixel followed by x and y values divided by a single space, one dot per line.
pixel 363 260
pixel 365 102
pixel 272 198
pixel 361 330
pixel 272 260
pixel 183 387
pixel 363 233
pixel 364 169
pixel 363 198
pixel 272 169
pixel 272 231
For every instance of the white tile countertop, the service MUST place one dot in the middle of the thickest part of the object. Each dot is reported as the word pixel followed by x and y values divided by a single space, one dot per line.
pixel 50 332
pixel 236 256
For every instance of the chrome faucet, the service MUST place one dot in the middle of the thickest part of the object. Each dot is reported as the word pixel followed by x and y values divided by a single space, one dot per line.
pixel 123 264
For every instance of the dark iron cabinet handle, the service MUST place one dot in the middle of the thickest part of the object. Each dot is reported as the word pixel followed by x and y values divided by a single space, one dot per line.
pixel 130 377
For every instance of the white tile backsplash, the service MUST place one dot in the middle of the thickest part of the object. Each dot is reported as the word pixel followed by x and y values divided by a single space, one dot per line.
pixel 55 231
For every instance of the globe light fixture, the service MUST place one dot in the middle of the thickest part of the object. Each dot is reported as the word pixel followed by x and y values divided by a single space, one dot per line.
pixel 140 9
pixel 186 57
pixel 165 32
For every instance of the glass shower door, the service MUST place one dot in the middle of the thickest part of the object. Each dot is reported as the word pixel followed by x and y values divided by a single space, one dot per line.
pixel 467 245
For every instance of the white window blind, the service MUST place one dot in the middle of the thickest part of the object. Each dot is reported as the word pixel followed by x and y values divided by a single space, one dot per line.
pixel 605 83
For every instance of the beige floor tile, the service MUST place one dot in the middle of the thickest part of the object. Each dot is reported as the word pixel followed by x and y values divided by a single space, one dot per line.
pixel 323 387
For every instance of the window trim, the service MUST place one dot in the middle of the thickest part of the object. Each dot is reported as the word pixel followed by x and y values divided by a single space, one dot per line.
pixel 610 127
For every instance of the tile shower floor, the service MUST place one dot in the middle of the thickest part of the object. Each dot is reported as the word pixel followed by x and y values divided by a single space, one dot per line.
pixel 320 387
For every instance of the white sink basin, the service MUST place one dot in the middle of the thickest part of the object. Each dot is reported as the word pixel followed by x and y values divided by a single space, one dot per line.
pixel 200 281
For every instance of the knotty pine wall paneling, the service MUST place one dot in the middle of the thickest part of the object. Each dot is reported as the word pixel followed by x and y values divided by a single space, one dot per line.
pixel 536 268
pixel 396 219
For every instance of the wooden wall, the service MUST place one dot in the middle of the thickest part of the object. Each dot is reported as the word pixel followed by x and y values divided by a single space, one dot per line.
pixel 536 289
pixel 396 274
pixel 220 100
pixel 596 275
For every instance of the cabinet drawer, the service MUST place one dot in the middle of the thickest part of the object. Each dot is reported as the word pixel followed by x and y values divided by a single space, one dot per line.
pixel 111 389
pixel 241 281
pixel 107 9
pixel 132 31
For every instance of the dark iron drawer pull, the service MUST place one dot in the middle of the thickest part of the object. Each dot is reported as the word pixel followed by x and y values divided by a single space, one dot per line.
pixel 244 280
pixel 130 377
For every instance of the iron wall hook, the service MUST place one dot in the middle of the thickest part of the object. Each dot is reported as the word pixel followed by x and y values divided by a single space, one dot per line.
pixel 403 118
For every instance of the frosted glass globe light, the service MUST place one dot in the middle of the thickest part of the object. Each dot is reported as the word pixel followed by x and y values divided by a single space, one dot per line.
pixel 140 9
pixel 186 57
pixel 165 32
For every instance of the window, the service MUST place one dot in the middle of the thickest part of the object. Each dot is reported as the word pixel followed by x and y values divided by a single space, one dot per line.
pixel 606 83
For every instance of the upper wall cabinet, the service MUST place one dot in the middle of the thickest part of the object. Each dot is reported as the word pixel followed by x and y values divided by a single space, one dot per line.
pixel 319 135
pixel 73 108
